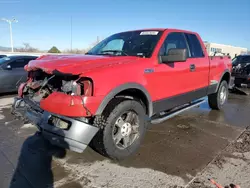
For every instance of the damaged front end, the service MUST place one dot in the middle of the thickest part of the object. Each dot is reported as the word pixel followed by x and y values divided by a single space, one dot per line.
pixel 54 91
pixel 55 103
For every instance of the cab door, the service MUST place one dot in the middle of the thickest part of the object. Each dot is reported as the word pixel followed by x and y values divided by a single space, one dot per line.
pixel 172 84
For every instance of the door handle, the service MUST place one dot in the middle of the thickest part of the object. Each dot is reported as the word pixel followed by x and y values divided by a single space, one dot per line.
pixel 192 67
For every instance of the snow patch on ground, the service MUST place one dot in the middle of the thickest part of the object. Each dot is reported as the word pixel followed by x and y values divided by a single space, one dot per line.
pixel 27 126
pixel 5 102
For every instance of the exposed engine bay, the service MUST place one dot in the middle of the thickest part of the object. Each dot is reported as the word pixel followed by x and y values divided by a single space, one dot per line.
pixel 40 84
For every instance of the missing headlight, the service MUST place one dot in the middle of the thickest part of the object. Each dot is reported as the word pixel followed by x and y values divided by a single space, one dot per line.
pixel 71 87
pixel 82 86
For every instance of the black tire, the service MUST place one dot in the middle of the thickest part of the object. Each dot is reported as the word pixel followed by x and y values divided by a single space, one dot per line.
pixel 214 99
pixel 103 141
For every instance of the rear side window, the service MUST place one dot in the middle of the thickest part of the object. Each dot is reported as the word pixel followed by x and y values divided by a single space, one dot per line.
pixel 173 40
pixel 19 63
pixel 194 45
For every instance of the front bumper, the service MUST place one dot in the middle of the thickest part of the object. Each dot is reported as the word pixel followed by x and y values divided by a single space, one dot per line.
pixel 71 106
pixel 76 137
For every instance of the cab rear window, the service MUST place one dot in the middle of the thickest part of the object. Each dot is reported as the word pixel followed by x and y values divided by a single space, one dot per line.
pixel 194 45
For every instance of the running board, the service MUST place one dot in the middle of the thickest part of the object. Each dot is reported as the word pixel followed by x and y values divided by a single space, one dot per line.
pixel 174 113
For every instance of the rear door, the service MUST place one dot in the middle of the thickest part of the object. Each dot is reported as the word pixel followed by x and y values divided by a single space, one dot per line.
pixel 200 64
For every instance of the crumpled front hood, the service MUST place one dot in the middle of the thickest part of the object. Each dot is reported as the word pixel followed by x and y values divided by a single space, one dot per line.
pixel 76 64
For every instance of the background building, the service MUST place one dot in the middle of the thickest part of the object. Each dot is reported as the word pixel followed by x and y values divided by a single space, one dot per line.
pixel 224 49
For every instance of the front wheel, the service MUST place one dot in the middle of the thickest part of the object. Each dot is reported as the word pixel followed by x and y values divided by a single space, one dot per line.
pixel 122 130
pixel 218 99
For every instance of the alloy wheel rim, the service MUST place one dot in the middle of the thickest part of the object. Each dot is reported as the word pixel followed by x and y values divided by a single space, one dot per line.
pixel 125 131
pixel 223 95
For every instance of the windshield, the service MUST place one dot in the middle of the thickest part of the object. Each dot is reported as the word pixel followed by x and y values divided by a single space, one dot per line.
pixel 132 43
pixel 4 60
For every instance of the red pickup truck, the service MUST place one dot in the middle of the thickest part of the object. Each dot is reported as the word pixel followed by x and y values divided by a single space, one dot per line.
pixel 107 97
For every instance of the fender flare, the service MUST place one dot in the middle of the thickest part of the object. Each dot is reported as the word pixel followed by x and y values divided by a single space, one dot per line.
pixel 123 87
pixel 225 71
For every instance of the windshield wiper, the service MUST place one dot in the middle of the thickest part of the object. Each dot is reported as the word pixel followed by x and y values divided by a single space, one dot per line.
pixel 88 53
pixel 115 51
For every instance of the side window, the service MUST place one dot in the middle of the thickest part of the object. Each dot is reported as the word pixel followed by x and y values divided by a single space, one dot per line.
pixel 28 59
pixel 173 40
pixel 19 63
pixel 195 46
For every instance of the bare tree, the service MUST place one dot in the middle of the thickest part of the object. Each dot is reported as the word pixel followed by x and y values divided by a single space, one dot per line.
pixel 26 48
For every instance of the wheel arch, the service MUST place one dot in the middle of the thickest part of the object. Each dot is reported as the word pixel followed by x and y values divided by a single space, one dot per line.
pixel 225 76
pixel 125 92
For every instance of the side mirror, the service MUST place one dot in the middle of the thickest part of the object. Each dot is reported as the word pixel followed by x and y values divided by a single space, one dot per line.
pixel 175 55
pixel 8 67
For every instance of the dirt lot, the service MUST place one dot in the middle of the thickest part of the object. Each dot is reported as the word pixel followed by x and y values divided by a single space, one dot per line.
pixel 182 152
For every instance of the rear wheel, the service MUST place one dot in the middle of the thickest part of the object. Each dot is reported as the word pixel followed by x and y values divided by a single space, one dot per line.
pixel 218 99
pixel 123 128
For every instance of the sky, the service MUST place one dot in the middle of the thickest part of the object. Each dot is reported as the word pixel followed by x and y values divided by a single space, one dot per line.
pixel 47 23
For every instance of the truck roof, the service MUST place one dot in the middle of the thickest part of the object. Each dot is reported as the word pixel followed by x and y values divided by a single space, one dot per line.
pixel 161 29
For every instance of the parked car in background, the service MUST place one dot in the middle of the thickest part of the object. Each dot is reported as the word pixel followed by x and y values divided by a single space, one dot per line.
pixel 1 56
pixel 12 71
pixel 241 70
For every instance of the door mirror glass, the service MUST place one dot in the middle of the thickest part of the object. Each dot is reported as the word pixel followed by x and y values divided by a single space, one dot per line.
pixel 8 67
pixel 174 55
